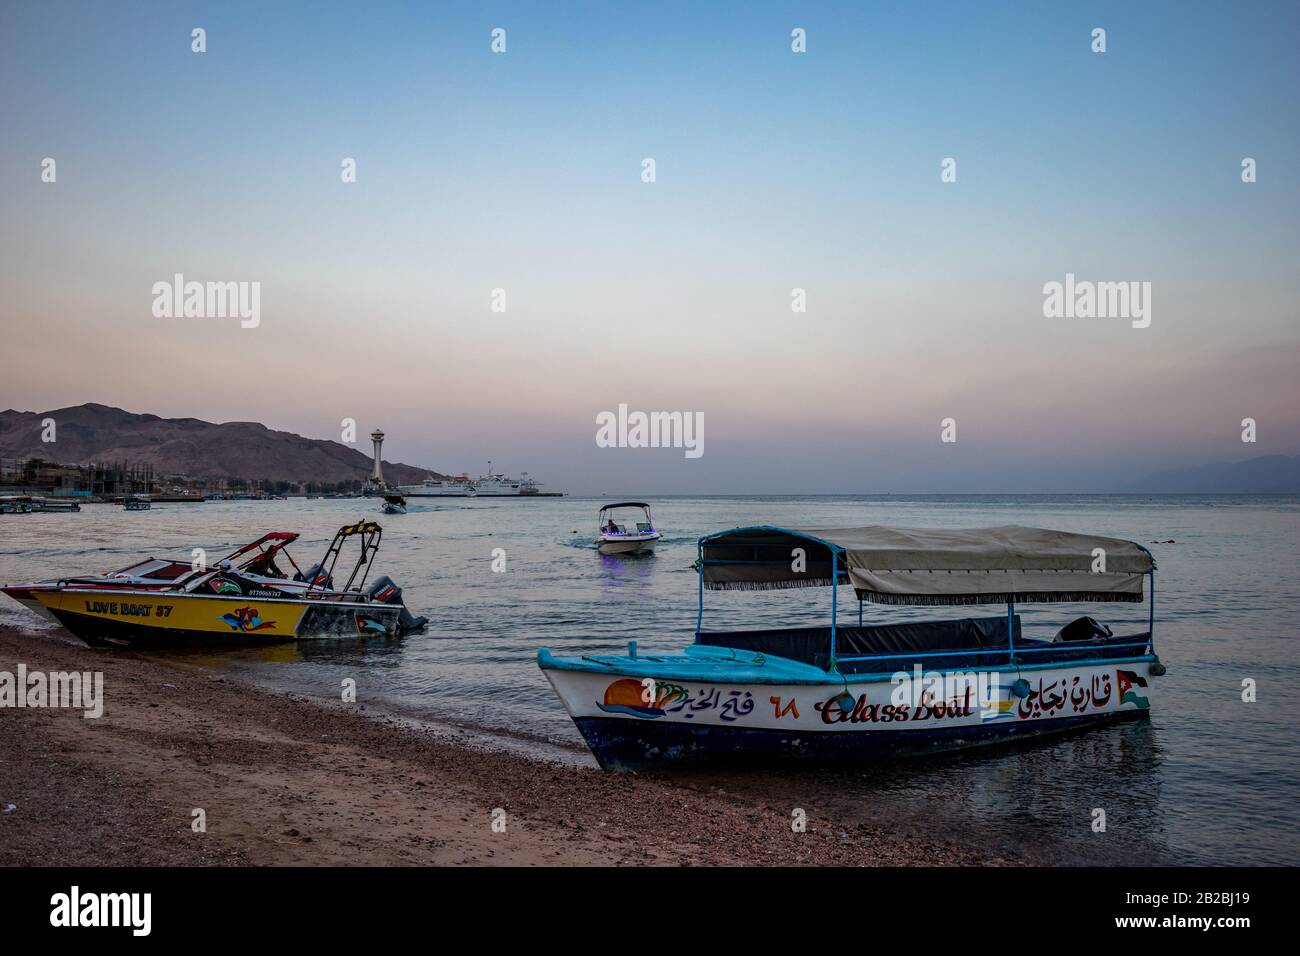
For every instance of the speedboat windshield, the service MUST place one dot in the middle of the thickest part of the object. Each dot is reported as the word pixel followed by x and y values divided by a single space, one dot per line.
pixel 623 518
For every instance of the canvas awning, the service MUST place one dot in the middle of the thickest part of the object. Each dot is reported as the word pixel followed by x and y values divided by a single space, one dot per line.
pixel 930 565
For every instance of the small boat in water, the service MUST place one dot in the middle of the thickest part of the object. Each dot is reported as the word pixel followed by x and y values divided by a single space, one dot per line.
pixel 136 503
pixel 26 504
pixel 876 690
pixel 618 538
pixel 255 560
pixel 225 605
pixel 394 505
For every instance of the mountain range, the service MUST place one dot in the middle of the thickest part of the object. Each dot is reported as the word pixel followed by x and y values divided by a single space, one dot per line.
pixel 85 434
pixel 189 446
pixel 1262 475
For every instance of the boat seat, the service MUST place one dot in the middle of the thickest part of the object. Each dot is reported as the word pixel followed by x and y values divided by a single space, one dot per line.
pixel 900 642
pixel 899 646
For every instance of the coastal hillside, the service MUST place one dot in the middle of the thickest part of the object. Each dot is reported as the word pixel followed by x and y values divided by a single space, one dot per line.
pixel 1263 475
pixel 188 446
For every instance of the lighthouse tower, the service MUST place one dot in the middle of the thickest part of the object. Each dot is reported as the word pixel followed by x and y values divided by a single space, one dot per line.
pixel 376 480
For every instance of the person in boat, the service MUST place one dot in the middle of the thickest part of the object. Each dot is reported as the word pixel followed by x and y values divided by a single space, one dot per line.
pixel 611 528
pixel 266 567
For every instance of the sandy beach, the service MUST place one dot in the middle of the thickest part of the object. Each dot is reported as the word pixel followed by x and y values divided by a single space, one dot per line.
pixel 284 780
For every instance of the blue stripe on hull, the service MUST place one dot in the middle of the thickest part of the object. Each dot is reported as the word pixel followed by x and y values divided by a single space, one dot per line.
pixel 620 744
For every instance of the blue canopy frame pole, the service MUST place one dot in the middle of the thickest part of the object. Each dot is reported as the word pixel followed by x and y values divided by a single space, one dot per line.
pixel 835 593
pixel 699 563
pixel 835 602
pixel 1011 631
pixel 1151 619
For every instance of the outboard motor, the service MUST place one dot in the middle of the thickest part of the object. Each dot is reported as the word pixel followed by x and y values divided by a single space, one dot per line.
pixel 385 591
pixel 317 577
pixel 1082 629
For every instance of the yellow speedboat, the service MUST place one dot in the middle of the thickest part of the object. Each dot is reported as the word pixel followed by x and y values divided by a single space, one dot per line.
pixel 222 605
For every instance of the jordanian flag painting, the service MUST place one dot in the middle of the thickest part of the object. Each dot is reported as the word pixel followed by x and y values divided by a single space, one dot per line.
pixel 1128 680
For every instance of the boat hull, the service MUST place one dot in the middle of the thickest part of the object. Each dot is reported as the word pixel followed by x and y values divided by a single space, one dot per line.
pixel 820 719
pixel 156 619
pixel 626 545
pixel 29 595
pixel 617 747
pixel 26 596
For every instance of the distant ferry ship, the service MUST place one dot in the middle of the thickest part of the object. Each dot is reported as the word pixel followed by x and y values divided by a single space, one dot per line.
pixel 485 486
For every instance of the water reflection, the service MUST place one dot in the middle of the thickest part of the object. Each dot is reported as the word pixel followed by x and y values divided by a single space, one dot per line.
pixel 620 572
pixel 349 651
pixel 1031 802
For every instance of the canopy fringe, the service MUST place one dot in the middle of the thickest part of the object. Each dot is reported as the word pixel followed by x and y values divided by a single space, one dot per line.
pixel 771 585
pixel 1006 597
pixel 936 600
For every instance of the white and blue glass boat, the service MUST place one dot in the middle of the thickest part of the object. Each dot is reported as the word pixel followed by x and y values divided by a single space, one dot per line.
pixel 876 690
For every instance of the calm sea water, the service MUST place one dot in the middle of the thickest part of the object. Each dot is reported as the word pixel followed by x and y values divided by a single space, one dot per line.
pixel 1208 779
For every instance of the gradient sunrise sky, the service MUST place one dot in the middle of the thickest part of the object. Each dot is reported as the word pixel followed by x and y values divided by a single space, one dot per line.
pixel 775 170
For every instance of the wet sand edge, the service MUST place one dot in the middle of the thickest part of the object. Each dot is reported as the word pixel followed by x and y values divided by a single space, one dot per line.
pixel 286 780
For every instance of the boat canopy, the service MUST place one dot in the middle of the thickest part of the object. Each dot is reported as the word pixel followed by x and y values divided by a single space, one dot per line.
pixel 929 566
pixel 625 504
